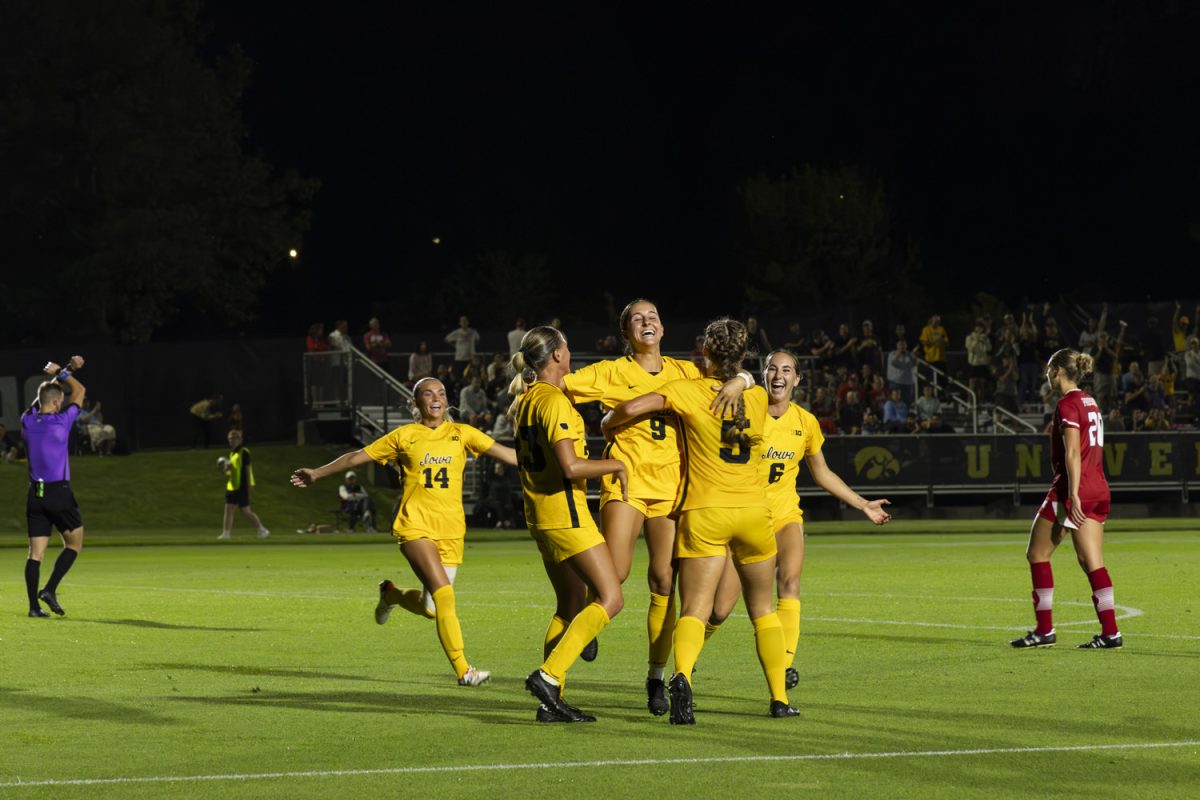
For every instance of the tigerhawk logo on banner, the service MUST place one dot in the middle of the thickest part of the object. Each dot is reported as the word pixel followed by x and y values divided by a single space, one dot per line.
pixel 874 463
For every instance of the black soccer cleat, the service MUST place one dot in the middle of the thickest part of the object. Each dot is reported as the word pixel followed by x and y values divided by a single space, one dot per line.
pixel 37 612
pixel 656 697
pixel 782 709
pixel 681 700
pixel 791 678
pixel 546 715
pixel 47 597
pixel 590 650
pixel 1102 642
pixel 550 696
pixel 1035 639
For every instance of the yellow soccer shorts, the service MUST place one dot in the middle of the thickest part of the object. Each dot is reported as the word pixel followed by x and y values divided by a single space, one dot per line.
pixel 781 519
pixel 558 544
pixel 706 532
pixel 650 509
pixel 450 550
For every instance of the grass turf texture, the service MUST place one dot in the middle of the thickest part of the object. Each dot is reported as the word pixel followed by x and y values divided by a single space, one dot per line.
pixel 210 660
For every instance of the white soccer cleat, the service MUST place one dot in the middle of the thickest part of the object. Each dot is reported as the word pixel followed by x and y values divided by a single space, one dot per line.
pixel 263 533
pixel 382 609
pixel 224 537
pixel 475 677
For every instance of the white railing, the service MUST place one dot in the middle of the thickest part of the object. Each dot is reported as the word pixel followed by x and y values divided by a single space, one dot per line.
pixel 959 393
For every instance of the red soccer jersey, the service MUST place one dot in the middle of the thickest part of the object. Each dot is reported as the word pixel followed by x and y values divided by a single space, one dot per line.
pixel 1078 410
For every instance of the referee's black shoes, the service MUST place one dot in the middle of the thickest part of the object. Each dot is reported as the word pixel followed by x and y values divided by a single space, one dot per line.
pixel 47 597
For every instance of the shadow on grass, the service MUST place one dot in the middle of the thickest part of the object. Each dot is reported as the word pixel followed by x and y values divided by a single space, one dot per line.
pixel 166 626
pixel 78 708
pixel 267 672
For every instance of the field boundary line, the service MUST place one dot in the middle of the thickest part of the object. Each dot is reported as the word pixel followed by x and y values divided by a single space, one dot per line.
pixel 632 762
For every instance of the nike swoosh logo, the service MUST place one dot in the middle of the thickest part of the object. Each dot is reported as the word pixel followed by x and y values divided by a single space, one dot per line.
pixel 633 386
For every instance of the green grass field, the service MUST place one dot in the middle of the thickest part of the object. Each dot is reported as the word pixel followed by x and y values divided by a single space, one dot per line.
pixel 191 668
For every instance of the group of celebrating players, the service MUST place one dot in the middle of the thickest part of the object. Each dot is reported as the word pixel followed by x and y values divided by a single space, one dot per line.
pixel 702 463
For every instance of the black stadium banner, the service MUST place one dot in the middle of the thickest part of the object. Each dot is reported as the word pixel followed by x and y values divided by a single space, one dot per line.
pixel 966 462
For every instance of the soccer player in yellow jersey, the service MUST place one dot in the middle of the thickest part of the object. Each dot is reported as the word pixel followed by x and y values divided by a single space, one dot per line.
pixel 554 467
pixel 651 451
pixel 790 435
pixel 722 504
pixel 430 526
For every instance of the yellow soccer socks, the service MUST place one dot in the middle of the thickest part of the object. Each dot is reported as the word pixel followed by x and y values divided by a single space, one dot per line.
pixel 788 609
pixel 689 641
pixel 585 627
pixel 768 641
pixel 448 630
pixel 660 628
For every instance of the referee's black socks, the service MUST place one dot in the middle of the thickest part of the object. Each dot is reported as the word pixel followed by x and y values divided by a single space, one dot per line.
pixel 32 570
pixel 63 563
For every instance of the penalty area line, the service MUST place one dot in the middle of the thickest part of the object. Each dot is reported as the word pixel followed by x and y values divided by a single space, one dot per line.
pixel 633 762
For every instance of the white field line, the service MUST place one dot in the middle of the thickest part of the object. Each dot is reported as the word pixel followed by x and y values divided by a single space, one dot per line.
pixel 633 762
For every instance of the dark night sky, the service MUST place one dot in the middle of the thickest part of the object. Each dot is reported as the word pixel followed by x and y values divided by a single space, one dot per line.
pixel 1011 144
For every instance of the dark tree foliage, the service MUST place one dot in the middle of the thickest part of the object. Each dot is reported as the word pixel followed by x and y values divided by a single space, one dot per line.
pixel 128 191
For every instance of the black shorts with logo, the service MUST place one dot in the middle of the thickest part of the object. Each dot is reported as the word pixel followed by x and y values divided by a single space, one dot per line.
pixel 238 497
pixel 51 505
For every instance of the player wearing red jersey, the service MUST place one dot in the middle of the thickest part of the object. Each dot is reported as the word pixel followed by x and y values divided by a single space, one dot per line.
pixel 1078 502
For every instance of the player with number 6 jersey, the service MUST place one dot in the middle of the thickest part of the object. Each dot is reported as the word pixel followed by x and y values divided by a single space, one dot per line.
pixel 430 525
pixel 1077 503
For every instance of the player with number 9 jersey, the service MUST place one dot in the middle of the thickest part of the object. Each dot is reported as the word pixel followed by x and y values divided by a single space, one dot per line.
pixel 1078 410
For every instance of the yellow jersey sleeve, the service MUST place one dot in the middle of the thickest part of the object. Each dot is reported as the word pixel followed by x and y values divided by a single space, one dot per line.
pixel 591 383
pixel 717 475
pixel 544 417
pixel 814 437
pixel 476 440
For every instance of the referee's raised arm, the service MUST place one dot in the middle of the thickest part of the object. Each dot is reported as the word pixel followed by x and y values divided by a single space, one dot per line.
pixel 67 375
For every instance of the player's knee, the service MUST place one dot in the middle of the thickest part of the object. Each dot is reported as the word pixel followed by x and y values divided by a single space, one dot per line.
pixel 612 602
pixel 718 616
pixel 661 580
pixel 789 585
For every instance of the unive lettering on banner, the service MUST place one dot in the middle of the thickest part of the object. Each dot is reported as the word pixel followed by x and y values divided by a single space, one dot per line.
pixel 1114 458
pixel 979 460
pixel 1029 460
pixel 1160 458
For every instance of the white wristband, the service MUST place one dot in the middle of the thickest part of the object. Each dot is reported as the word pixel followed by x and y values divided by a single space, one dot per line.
pixel 748 378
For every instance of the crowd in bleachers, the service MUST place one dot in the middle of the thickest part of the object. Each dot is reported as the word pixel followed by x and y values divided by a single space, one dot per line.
pixel 860 381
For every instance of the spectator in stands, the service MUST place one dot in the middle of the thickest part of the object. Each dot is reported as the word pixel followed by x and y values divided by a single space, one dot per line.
pixel 871 424
pixel 935 424
pixel 502 429
pixel 927 406
pixel 1007 379
pixel 12 447
pixel 500 496
pixel 1114 422
pixel 1191 361
pixel 821 349
pixel 1052 340
pixel 420 363
pixel 315 342
pixel 757 343
pixel 1179 334
pixel 607 345
pixel 895 413
pixel 1089 338
pixel 515 336
pixel 497 371
pixel 850 415
pixel 376 343
pixel 934 342
pixel 850 384
pixel 868 350
pixel 898 333
pixel 979 360
pixel 464 338
pixel 1134 389
pixel 877 395
pixel 795 339
pixel 475 368
pixel 1137 420
pixel 446 374
pixel 1105 376
pixel 339 337
pixel 102 437
pixel 356 504
pixel 697 353
pixel 1156 420
pixel 1007 344
pixel 866 375
pixel 1156 396
pixel 1029 358
pixel 901 371
pixel 844 347
pixel 473 404
pixel 204 412
pixel 823 408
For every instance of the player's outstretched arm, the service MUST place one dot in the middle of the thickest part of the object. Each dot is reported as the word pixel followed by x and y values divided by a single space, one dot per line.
pixel 630 410
pixel 305 476
pixel 831 482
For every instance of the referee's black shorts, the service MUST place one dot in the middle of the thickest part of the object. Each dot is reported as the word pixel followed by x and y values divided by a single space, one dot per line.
pixel 238 497
pixel 51 505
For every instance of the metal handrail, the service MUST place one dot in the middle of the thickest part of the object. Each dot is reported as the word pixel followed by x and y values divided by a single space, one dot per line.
pixel 971 408
pixel 999 411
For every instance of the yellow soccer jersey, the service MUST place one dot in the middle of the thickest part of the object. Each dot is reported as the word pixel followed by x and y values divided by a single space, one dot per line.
pixel 431 461
pixel 786 441
pixel 650 449
pixel 717 475
pixel 545 417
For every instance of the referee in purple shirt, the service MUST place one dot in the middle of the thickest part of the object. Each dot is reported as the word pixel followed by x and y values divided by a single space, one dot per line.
pixel 51 504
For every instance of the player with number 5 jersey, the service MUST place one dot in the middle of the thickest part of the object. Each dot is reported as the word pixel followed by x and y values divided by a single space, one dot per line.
pixel 430 525
pixel 1077 503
